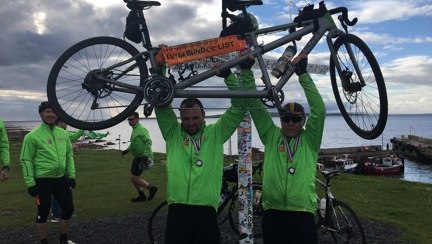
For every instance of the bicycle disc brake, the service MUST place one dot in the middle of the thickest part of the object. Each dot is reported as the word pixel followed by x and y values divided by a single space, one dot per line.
pixel 276 99
pixel 97 87
pixel 158 91
pixel 350 88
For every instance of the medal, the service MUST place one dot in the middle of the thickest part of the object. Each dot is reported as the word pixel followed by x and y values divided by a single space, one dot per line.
pixel 199 163
pixel 291 170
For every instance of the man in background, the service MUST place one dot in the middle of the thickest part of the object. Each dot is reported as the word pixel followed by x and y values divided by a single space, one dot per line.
pixel 4 152
pixel 49 170
pixel 141 148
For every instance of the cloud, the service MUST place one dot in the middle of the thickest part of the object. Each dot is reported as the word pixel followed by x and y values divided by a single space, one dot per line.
pixel 35 33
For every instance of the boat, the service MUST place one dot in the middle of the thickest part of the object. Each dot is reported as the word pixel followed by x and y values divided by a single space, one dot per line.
pixel 389 164
pixel 345 165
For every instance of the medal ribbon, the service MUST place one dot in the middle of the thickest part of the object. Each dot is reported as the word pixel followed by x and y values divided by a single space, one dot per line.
pixel 197 144
pixel 291 153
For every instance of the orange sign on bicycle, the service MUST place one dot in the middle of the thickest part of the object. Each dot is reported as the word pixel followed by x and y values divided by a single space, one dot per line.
pixel 203 49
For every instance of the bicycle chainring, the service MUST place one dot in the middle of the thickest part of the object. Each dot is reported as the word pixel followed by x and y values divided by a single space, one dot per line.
pixel 271 102
pixel 159 86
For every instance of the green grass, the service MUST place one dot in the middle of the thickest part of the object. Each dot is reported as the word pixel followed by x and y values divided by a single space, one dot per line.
pixel 104 190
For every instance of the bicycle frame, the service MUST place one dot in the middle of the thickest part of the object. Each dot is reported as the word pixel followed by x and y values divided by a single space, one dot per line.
pixel 325 25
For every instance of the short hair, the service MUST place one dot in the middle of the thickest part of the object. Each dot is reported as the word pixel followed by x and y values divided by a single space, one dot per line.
pixel 44 105
pixel 189 103
pixel 135 114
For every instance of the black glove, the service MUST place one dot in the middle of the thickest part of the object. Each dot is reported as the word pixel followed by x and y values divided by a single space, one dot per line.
pixel 72 183
pixel 33 191
pixel 301 67
pixel 125 152
pixel 247 64
pixel 224 73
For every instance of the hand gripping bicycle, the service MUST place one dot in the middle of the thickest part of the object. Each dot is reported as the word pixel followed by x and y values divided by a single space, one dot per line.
pixel 98 82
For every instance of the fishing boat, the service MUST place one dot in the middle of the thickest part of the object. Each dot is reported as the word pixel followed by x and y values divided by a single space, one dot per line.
pixel 386 165
pixel 346 165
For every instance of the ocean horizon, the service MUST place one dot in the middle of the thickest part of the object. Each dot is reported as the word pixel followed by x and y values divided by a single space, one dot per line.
pixel 337 134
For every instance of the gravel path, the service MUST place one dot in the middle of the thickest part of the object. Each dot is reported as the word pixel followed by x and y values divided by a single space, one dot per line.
pixel 132 229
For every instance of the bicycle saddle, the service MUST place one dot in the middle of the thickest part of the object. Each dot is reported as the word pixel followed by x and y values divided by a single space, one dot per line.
pixel 329 174
pixel 234 5
pixel 133 4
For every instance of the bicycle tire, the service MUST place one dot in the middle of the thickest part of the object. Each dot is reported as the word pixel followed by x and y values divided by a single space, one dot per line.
pixel 257 216
pixel 365 109
pixel 156 229
pixel 90 104
pixel 345 224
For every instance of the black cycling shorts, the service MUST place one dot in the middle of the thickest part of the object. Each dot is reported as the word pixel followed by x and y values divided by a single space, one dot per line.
pixel 59 188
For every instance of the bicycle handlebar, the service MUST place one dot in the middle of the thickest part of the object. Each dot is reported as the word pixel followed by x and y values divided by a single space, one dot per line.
pixel 344 16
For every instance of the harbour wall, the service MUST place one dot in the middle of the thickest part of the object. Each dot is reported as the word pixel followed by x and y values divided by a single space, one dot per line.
pixel 413 147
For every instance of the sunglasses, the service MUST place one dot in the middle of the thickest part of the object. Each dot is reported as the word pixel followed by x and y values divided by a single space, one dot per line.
pixel 132 119
pixel 294 119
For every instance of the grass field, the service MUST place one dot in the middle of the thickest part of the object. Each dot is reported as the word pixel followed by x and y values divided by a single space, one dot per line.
pixel 103 189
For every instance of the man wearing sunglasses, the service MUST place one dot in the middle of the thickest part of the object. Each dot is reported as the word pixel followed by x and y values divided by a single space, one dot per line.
pixel 140 146
pixel 291 154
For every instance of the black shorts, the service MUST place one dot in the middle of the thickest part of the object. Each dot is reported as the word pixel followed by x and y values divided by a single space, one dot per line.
pixel 59 188
pixel 192 224
pixel 136 168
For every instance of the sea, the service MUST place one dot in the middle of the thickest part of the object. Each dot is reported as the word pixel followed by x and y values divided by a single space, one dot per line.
pixel 336 134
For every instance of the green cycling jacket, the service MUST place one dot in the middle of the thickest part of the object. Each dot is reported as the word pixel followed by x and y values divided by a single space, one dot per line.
pixel 73 136
pixel 47 153
pixel 188 182
pixel 140 142
pixel 282 190
pixel 4 146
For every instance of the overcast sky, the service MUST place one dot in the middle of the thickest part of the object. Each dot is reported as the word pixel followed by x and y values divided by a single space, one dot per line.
pixel 35 33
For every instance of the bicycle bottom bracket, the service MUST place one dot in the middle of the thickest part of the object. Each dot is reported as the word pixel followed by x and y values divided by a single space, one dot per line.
pixel 159 91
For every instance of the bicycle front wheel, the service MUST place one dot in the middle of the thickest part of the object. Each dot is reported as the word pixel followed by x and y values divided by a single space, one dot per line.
pixel 343 224
pixel 361 96
pixel 157 224
pixel 87 95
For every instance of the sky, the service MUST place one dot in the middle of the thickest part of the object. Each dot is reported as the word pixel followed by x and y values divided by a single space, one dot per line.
pixel 33 34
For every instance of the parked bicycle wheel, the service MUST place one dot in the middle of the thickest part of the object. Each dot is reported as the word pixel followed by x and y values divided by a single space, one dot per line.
pixel 157 224
pixel 257 216
pixel 364 107
pixel 345 223
pixel 83 96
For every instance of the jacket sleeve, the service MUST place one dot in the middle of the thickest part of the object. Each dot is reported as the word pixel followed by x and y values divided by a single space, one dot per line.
pixel 231 119
pixel 261 117
pixel 4 145
pixel 75 135
pixel 316 118
pixel 28 151
pixel 70 164
pixel 167 120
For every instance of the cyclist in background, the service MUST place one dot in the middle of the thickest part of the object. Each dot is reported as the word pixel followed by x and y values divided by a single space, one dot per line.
pixel 4 152
pixel 49 170
pixel 291 154
pixel 141 148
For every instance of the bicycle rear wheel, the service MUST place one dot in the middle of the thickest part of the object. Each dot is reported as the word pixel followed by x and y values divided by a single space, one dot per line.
pixel 157 224
pixel 343 224
pixel 364 107
pixel 83 96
